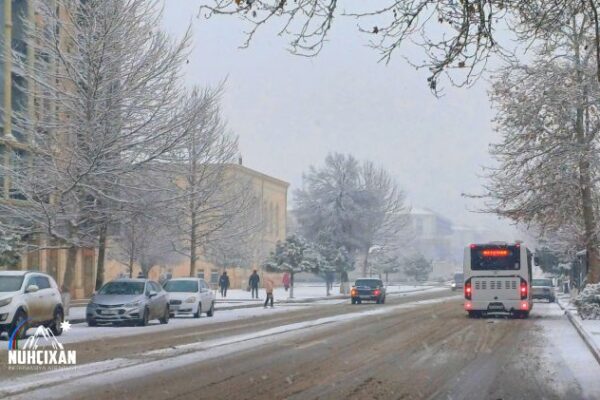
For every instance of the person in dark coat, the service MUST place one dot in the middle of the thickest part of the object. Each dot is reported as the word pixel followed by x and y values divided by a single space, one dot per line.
pixel 253 283
pixel 224 284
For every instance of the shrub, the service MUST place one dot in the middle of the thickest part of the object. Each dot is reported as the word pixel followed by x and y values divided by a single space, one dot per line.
pixel 588 302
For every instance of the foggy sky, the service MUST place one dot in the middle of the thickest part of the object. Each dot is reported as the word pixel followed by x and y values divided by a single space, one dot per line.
pixel 290 111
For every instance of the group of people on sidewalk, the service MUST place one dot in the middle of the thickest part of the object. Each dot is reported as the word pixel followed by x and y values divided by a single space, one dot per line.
pixel 253 284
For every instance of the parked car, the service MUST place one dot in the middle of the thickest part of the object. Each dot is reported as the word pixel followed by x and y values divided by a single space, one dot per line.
pixel 543 288
pixel 190 296
pixel 29 299
pixel 368 289
pixel 457 281
pixel 128 301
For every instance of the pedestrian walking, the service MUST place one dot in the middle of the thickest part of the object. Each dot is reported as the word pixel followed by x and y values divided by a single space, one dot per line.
pixel 253 283
pixel 224 284
pixel 286 281
pixel 269 286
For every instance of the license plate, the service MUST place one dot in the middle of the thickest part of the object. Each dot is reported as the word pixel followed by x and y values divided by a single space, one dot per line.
pixel 110 312
pixel 496 307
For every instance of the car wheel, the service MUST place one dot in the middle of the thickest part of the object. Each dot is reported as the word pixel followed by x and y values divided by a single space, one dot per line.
pixel 211 312
pixel 165 318
pixel 353 300
pixel 383 300
pixel 474 314
pixel 197 314
pixel 20 323
pixel 92 322
pixel 145 317
pixel 59 318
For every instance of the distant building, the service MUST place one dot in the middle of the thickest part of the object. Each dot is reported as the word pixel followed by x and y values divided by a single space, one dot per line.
pixel 271 196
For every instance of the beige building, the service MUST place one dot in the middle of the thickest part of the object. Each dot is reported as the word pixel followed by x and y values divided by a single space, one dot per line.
pixel 14 144
pixel 271 207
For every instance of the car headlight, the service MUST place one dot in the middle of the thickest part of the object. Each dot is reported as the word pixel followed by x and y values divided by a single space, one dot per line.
pixel 190 300
pixel 5 302
pixel 133 304
pixel 92 305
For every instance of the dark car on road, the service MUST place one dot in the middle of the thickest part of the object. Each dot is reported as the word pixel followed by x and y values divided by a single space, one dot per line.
pixel 368 289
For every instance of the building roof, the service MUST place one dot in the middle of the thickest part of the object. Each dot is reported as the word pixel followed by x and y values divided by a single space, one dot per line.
pixel 257 174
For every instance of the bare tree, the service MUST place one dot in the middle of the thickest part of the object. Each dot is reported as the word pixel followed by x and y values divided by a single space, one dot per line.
pixel 204 196
pixel 548 172
pixel 457 38
pixel 346 204
pixel 106 83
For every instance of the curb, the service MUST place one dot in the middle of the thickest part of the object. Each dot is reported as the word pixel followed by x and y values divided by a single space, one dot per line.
pixel 587 339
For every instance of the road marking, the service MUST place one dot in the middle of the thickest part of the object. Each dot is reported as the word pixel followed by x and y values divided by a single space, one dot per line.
pixel 59 383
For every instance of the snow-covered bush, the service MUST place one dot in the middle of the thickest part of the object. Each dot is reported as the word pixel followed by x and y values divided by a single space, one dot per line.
pixel 588 302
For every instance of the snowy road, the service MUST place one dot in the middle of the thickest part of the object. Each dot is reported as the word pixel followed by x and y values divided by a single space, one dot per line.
pixel 418 346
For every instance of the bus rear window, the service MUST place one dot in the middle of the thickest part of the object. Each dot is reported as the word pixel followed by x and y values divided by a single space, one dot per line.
pixel 495 258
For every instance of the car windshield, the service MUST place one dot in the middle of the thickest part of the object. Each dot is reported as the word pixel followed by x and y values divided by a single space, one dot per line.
pixel 372 283
pixel 10 283
pixel 458 277
pixel 181 286
pixel 541 282
pixel 123 288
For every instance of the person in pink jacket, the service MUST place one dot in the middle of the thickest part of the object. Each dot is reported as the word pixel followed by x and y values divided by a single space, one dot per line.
pixel 269 286
pixel 286 281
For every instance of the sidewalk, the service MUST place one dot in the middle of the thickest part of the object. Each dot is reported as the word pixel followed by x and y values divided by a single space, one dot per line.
pixel 589 330
pixel 237 298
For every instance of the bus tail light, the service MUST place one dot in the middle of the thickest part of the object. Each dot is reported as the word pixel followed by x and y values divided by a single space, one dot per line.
pixel 524 289
pixel 468 289
pixel 468 305
pixel 524 306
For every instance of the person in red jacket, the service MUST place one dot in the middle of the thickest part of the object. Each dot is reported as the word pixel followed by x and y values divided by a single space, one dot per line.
pixel 286 281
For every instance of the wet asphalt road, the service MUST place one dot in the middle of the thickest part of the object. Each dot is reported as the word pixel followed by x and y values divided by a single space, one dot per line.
pixel 417 347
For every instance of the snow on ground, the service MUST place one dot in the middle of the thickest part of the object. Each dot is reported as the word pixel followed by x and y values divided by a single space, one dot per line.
pixel 302 292
pixel 103 373
pixel 565 355
pixel 237 297
pixel 593 329
pixel 81 332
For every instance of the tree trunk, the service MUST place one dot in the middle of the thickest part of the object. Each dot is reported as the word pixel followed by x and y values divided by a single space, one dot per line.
pixel 587 202
pixel 366 262
pixel 387 277
pixel 70 269
pixel 101 256
pixel 589 220
pixel 292 285
pixel 193 246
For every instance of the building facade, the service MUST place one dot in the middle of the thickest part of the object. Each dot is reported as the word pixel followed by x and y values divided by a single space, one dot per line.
pixel 271 208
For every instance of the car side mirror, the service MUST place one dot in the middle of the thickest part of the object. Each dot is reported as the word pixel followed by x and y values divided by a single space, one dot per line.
pixel 152 294
pixel 32 289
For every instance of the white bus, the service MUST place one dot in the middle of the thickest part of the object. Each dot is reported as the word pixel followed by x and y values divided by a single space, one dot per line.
pixel 497 279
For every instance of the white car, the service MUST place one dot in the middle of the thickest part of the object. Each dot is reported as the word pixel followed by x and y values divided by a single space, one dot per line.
pixel 190 296
pixel 29 299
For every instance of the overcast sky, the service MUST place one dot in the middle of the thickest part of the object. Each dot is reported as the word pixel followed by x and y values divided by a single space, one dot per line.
pixel 290 111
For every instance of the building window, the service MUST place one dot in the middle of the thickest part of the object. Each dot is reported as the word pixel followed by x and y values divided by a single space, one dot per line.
pixel 18 165
pixel 277 220
pixel 214 276
pixel 3 163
